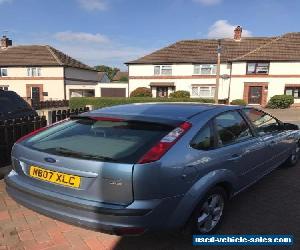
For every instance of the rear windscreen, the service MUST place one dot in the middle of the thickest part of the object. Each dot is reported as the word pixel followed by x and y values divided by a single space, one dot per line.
pixel 108 141
pixel 11 102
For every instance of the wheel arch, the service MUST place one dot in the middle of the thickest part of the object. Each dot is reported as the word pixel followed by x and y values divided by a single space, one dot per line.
pixel 222 177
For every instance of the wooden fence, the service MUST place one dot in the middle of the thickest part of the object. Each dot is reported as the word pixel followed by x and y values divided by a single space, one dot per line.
pixel 58 115
pixel 50 104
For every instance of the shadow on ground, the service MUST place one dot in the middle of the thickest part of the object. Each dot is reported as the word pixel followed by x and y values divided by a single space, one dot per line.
pixel 4 170
pixel 271 206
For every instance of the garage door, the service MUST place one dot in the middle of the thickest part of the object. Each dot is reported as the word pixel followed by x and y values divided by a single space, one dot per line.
pixel 113 92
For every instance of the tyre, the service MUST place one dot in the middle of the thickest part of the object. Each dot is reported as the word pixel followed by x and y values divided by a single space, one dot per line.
pixel 294 157
pixel 208 214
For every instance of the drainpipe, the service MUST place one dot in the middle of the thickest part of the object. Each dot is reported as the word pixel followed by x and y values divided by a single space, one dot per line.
pixel 65 87
pixel 128 80
pixel 229 88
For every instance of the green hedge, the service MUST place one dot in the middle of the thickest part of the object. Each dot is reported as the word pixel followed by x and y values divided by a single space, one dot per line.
pixel 99 102
pixel 280 102
pixel 239 102
pixel 180 94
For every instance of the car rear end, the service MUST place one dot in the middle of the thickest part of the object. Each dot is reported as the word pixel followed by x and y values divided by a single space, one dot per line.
pixel 12 106
pixel 82 170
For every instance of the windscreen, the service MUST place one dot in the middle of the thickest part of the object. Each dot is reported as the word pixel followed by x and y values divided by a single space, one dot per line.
pixel 11 102
pixel 108 141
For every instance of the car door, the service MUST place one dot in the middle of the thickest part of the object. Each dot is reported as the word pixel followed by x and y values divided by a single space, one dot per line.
pixel 270 131
pixel 235 147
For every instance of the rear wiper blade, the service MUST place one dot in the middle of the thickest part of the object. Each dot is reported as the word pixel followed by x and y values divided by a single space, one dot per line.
pixel 66 151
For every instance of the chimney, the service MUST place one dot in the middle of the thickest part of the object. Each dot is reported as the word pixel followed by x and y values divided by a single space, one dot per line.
pixel 5 42
pixel 238 33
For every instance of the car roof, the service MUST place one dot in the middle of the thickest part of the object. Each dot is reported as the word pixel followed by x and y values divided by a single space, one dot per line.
pixel 157 112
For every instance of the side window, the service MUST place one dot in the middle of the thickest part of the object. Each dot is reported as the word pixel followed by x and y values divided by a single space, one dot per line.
pixel 204 140
pixel 231 128
pixel 262 122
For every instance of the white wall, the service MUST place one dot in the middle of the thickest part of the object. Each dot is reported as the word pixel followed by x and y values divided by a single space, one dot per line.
pixel 51 78
pixel 280 74
pixel 45 72
pixel 179 72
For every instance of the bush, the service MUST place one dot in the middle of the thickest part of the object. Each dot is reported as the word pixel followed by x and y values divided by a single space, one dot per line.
pixel 239 102
pixel 100 102
pixel 180 94
pixel 141 92
pixel 280 102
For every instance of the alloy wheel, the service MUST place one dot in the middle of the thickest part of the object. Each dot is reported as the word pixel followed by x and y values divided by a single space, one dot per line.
pixel 211 213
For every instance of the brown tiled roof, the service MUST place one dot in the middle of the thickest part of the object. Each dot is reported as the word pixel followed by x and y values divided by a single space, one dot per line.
pixel 284 48
pixel 37 55
pixel 203 51
pixel 120 74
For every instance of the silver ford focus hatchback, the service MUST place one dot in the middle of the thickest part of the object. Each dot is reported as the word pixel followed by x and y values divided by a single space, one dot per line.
pixel 137 168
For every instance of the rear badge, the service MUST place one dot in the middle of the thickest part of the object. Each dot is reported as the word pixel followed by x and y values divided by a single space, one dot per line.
pixel 115 182
pixel 50 160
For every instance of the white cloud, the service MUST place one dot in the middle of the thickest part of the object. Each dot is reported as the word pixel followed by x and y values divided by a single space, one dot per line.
pixel 69 36
pixel 112 55
pixel 5 1
pixel 91 5
pixel 208 2
pixel 92 49
pixel 223 29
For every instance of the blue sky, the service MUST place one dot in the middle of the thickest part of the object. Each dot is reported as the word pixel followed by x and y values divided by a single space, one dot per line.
pixel 112 32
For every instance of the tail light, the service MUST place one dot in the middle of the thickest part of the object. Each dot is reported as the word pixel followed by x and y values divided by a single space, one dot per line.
pixel 156 152
pixel 38 131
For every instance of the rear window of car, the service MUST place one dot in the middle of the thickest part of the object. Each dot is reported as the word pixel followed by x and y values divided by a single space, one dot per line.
pixel 107 141
pixel 11 102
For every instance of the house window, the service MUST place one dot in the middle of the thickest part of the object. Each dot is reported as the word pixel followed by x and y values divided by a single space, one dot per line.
pixel 203 91
pixel 3 87
pixel 3 72
pixel 205 69
pixel 258 68
pixel 165 70
pixel 32 72
pixel 293 91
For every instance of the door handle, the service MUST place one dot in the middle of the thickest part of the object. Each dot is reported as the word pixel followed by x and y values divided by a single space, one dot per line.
pixel 235 157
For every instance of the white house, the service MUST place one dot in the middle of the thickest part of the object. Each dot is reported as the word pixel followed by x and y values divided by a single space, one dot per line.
pixel 41 72
pixel 253 69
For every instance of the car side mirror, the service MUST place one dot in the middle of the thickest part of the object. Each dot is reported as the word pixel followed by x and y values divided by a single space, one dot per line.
pixel 290 126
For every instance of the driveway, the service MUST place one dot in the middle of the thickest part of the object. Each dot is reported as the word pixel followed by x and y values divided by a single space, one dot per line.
pixel 291 115
pixel 269 207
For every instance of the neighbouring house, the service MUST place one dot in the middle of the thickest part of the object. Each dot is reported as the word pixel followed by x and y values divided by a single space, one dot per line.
pixel 103 77
pixel 121 76
pixel 118 87
pixel 252 68
pixel 41 72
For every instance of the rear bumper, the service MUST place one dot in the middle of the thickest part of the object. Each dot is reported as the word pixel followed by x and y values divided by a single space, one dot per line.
pixel 148 215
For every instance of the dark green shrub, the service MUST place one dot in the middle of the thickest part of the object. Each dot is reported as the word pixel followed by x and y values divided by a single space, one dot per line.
pixel 180 94
pixel 239 102
pixel 100 102
pixel 280 102
pixel 141 92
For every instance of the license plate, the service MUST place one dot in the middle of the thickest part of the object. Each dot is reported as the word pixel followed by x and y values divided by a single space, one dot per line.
pixel 55 177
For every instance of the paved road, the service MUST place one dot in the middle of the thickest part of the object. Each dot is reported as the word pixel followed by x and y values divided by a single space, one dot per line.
pixel 272 206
